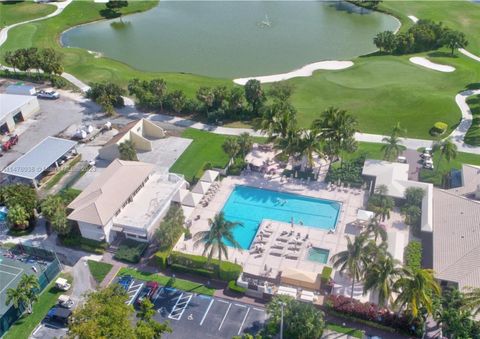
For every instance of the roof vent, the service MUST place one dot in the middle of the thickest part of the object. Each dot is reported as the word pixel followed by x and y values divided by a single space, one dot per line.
pixel 477 193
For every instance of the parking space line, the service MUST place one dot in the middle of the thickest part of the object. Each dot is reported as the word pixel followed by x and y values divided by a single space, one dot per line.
pixel 206 312
pixel 135 292
pixel 240 305
pixel 223 301
pixel 177 313
pixel 257 309
pixel 228 309
pixel 243 322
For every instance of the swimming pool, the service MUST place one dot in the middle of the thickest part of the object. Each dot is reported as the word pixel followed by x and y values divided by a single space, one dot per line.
pixel 250 205
pixel 3 213
pixel 318 255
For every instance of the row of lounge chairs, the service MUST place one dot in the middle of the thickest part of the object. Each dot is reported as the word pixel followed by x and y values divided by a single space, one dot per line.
pixel 210 194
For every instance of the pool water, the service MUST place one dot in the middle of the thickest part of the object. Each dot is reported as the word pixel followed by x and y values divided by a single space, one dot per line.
pixel 318 255
pixel 250 205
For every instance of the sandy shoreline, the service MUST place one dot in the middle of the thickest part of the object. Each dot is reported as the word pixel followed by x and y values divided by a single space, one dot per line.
pixel 305 71
pixel 424 62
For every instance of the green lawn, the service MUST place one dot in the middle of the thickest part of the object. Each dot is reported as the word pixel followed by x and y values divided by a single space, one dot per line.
pixel 13 12
pixel 378 90
pixel 205 148
pixel 369 149
pixel 99 270
pixel 181 284
pixel 344 330
pixel 25 325
pixel 473 134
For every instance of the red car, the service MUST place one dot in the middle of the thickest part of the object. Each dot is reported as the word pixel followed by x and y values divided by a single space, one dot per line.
pixel 12 140
pixel 148 291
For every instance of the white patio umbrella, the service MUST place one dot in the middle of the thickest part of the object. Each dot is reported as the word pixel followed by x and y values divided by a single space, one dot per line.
pixel 180 195
pixel 192 199
pixel 209 176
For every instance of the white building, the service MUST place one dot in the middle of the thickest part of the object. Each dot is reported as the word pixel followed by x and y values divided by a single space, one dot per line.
pixel 15 109
pixel 128 197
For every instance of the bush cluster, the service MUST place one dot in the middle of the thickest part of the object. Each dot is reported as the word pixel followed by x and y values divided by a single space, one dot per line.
pixel 108 95
pixel 438 128
pixel 371 312
pixel 349 172
pixel 130 251
pixel 46 59
pixel 55 80
pixel 425 35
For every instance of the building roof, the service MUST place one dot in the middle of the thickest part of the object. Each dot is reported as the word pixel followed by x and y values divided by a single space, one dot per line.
pixel 11 102
pixel 39 158
pixel 470 181
pixel 99 202
pixel 126 129
pixel 391 174
pixel 456 238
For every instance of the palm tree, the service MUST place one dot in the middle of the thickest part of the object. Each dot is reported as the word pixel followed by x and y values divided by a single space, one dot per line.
pixel 17 297
pixel 381 276
pixel 18 217
pixel 310 142
pixel 337 128
pixel 231 147
pixel 398 130
pixel 352 261
pixel 391 147
pixel 289 144
pixel 447 149
pixel 416 289
pixel 29 283
pixel 213 240
pixel 376 230
pixel 380 203
pixel 472 299
pixel 245 143
pixel 127 151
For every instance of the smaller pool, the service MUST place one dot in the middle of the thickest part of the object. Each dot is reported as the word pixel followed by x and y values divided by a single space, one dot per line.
pixel 318 255
pixel 3 213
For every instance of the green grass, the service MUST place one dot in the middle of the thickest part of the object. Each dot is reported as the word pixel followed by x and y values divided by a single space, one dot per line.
pixel 99 270
pixel 13 12
pixel 181 284
pixel 435 176
pixel 344 330
pixel 459 15
pixel 378 90
pixel 369 149
pixel 205 148
pixel 26 324
pixel 472 137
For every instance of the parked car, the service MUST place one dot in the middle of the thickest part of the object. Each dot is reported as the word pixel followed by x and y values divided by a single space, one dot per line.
pixel 125 281
pixel 58 316
pixel 65 301
pixel 52 95
pixel 11 141
pixel 428 163
pixel 148 291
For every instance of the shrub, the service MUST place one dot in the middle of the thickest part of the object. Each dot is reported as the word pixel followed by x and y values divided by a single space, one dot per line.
pixel 326 273
pixel 130 251
pixel 199 271
pixel 349 172
pixel 371 312
pixel 229 271
pixel 161 258
pixel 438 128
pixel 232 286
pixel 412 256
pixel 237 167
pixel 58 81
pixel 171 228
pixel 78 242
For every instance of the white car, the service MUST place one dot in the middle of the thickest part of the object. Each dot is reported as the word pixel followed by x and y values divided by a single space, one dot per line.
pixel 65 301
pixel 52 95
pixel 62 284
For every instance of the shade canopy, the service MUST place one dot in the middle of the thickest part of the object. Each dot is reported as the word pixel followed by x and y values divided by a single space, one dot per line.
pixel 201 187
pixel 209 176
pixel 180 195
pixel 363 215
pixel 304 279
pixel 192 199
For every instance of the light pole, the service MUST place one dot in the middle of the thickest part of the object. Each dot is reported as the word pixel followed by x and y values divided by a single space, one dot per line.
pixel 282 304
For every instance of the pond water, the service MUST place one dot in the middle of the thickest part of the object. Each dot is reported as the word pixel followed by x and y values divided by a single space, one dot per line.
pixel 234 38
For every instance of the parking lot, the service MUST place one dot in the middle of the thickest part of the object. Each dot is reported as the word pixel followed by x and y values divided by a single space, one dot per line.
pixel 190 314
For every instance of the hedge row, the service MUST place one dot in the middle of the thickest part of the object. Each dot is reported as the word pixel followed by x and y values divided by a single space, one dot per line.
pixel 197 264
pixel 232 286
pixel 130 251
pixel 412 256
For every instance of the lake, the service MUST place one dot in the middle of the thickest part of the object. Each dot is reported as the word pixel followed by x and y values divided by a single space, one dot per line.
pixel 229 39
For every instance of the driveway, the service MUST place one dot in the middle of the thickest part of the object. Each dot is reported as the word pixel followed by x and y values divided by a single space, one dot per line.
pixel 415 163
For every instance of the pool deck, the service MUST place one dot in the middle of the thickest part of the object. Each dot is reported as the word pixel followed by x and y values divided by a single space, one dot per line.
pixel 269 264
